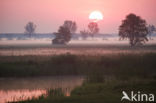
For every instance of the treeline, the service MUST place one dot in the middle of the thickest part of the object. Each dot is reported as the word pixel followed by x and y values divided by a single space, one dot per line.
pixel 133 28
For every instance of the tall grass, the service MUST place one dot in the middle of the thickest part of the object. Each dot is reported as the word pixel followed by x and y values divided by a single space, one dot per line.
pixel 96 93
pixel 122 66
pixel 135 72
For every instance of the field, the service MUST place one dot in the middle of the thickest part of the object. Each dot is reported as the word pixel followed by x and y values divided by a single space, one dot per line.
pixel 77 51
pixel 105 76
pixel 108 68
pixel 121 64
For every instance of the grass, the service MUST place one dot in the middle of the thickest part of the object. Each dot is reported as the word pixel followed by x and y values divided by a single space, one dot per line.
pixel 97 93
pixel 106 76
pixel 121 66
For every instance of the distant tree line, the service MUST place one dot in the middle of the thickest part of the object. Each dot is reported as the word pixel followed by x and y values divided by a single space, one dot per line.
pixel 133 28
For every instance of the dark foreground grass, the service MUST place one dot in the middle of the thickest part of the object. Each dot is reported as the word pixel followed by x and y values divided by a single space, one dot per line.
pixel 122 66
pixel 97 93
pixel 106 76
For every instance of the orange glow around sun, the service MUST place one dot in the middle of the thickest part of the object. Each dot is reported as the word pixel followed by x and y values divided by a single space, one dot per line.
pixel 96 16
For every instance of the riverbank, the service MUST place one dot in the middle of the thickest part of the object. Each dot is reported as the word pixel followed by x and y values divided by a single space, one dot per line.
pixel 108 92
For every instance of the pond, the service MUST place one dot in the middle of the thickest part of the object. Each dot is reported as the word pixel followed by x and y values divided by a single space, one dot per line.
pixel 16 89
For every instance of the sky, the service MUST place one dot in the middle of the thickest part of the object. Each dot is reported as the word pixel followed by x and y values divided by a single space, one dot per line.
pixel 48 15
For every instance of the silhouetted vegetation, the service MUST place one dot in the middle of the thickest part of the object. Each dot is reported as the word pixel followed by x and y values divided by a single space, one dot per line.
pixel 93 28
pixel 106 75
pixel 84 34
pixel 135 29
pixel 64 33
pixel 30 28
pixel 63 36
pixel 71 25
pixel 97 92
pixel 121 66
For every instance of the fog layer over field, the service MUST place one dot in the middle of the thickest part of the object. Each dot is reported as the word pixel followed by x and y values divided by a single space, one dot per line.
pixel 45 39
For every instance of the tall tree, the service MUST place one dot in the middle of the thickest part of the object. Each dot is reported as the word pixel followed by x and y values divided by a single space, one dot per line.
pixel 63 36
pixel 93 28
pixel 71 25
pixel 30 28
pixel 134 28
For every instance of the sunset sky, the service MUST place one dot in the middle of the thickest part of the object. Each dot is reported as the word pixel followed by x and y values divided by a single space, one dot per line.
pixel 48 15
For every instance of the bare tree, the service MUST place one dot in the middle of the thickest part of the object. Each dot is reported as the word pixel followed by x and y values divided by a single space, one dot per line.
pixel 84 33
pixel 30 28
pixel 93 28
pixel 71 25
pixel 135 29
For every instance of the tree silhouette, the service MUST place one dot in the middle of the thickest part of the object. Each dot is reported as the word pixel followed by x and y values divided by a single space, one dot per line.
pixel 151 30
pixel 71 25
pixel 30 28
pixel 63 36
pixel 93 28
pixel 84 33
pixel 134 28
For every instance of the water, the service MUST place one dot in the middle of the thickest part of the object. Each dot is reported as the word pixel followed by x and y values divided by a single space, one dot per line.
pixel 16 89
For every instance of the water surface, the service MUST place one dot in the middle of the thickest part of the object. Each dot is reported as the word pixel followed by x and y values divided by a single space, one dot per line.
pixel 16 89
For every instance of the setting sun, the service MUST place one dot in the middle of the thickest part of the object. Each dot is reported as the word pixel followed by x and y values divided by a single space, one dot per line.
pixel 96 16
